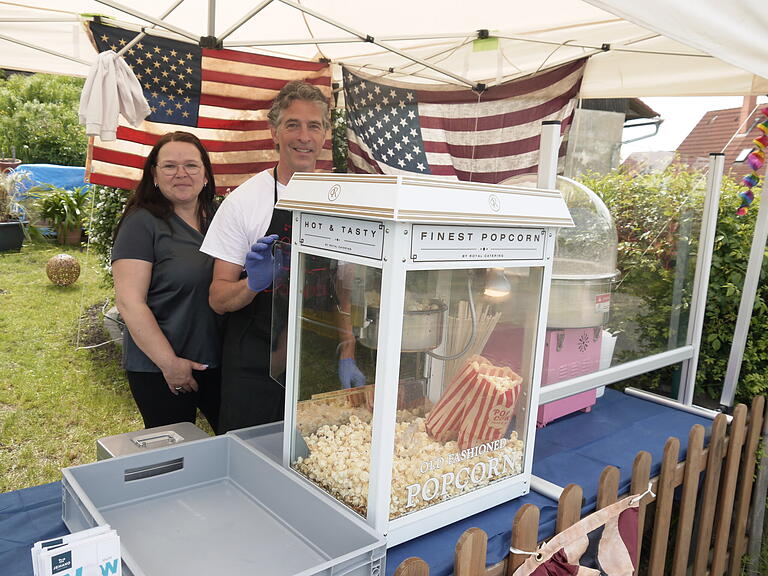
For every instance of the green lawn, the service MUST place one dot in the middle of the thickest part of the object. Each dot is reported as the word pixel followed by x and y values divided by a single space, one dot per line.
pixel 55 400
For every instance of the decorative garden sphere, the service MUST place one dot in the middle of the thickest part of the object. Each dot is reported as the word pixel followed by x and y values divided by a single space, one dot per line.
pixel 63 270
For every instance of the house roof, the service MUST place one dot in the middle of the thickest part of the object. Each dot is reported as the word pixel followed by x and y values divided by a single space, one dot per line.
pixel 722 131
pixel 632 108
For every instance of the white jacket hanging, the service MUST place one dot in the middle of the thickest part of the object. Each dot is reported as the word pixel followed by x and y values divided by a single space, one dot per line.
pixel 111 89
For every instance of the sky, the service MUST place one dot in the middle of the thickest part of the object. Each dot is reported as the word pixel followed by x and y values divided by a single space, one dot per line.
pixel 680 116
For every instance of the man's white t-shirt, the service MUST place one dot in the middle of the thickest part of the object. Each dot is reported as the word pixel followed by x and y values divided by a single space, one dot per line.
pixel 242 218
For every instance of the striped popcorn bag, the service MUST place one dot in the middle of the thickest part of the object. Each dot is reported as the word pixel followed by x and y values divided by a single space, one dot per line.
pixel 444 420
pixel 490 405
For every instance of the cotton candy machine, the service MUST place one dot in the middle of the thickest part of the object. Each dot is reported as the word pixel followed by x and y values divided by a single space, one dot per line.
pixel 584 268
pixel 583 274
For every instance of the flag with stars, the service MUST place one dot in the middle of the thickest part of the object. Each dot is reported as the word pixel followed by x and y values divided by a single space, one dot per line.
pixel 221 96
pixel 479 137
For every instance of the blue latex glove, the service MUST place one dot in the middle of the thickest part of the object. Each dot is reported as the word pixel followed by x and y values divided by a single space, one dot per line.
pixel 349 374
pixel 258 263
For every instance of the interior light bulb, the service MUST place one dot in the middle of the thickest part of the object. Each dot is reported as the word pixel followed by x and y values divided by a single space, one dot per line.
pixel 496 283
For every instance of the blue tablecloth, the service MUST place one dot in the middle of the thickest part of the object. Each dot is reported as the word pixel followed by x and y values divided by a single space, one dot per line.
pixel 574 449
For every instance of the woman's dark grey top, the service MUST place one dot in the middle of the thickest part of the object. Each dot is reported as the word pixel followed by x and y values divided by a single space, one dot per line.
pixel 178 289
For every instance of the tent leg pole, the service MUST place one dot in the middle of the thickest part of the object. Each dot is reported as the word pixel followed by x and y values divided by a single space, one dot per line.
pixel 701 276
pixel 548 150
pixel 664 401
pixel 748 292
pixel 211 18
pixel 546 488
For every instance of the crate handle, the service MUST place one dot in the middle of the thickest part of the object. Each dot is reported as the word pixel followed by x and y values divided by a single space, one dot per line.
pixel 151 470
pixel 148 439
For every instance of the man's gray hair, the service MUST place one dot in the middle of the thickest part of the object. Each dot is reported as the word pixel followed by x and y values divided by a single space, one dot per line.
pixel 298 90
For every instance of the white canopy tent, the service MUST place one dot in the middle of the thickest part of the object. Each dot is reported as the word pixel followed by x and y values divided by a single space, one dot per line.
pixel 652 48
pixel 635 49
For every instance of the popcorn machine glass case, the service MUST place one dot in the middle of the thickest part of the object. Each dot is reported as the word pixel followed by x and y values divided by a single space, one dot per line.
pixel 414 342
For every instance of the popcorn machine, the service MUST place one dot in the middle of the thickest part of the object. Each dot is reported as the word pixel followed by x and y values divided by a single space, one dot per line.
pixel 405 399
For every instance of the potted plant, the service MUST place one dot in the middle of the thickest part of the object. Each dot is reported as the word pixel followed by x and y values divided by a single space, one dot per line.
pixel 11 210
pixel 64 209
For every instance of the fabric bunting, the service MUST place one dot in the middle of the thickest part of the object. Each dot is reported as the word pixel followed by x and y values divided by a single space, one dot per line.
pixel 222 96
pixel 761 142
pixel 756 160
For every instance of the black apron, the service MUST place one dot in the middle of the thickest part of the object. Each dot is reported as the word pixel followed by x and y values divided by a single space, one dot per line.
pixel 249 396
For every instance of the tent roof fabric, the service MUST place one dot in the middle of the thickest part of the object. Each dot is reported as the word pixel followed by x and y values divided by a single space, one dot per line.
pixel 433 42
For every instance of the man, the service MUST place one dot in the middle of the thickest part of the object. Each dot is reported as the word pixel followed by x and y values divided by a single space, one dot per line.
pixel 240 239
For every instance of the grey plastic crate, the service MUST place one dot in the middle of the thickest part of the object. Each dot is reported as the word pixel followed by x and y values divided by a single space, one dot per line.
pixel 218 507
pixel 266 438
pixel 150 439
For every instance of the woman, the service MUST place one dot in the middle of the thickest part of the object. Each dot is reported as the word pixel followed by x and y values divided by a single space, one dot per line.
pixel 171 349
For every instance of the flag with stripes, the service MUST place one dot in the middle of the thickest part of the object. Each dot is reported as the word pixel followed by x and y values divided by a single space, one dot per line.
pixel 473 136
pixel 221 96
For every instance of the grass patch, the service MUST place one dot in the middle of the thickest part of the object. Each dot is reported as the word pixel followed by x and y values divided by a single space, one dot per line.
pixel 55 400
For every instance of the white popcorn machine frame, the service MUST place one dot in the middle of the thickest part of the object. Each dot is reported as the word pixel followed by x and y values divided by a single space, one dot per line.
pixel 399 229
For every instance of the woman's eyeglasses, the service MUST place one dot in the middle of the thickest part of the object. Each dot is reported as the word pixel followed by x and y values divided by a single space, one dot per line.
pixel 172 169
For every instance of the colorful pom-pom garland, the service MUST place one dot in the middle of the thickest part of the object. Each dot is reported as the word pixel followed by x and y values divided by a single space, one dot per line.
pixel 756 160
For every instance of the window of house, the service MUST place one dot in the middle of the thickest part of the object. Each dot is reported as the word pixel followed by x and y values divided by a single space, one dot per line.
pixel 743 154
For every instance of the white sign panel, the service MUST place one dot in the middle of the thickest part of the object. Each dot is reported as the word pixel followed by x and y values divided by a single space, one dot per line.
pixel 437 243
pixel 346 235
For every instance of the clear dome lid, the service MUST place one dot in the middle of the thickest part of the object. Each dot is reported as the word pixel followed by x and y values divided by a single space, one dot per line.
pixel 588 250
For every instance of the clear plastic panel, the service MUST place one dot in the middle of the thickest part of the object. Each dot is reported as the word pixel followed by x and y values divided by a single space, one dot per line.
pixel 336 377
pixel 465 374
pixel 466 367
pixel 280 287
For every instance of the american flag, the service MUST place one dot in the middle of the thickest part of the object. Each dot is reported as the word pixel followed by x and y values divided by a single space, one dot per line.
pixel 479 137
pixel 222 96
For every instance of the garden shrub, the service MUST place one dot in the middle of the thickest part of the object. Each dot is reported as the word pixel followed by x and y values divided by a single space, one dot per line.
pixel 733 243
pixel 107 209
pixel 339 139
pixel 658 217
pixel 38 118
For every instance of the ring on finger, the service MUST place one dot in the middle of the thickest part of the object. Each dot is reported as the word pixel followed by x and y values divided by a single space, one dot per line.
pixel 179 388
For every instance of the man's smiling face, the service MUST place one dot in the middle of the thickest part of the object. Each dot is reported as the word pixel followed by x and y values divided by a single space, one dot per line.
pixel 299 136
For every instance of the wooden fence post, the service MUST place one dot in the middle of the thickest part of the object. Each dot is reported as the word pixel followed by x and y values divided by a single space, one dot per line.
pixel 525 535
pixel 757 512
pixel 641 478
pixel 715 453
pixel 694 462
pixel 665 490
pixel 608 487
pixel 469 559
pixel 569 507
pixel 756 416
pixel 727 494
pixel 412 566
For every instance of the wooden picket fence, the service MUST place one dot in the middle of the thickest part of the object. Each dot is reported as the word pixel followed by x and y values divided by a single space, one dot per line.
pixel 709 518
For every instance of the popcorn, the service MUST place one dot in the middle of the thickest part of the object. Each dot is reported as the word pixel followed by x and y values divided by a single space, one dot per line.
pixel 424 471
pixel 312 414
